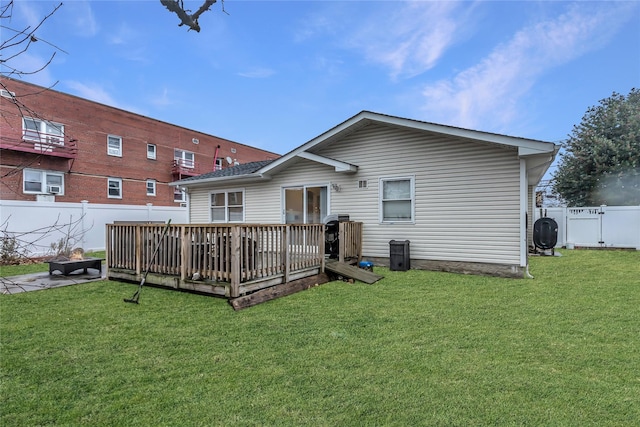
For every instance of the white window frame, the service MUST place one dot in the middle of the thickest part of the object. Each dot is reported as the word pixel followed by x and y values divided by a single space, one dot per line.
pixel 151 185
pixel 44 181
pixel 304 219
pixel 45 132
pixel 182 193
pixel 151 151
pixel 112 151
pixel 180 157
pixel 227 206
pixel 412 199
pixel 119 182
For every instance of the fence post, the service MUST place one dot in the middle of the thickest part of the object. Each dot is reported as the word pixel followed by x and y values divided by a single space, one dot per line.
pixel 235 261
pixel 83 223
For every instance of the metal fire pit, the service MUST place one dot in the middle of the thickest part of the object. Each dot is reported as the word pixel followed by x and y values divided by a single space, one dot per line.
pixel 68 267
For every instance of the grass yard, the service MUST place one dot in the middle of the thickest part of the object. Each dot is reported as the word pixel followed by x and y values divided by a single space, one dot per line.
pixel 417 348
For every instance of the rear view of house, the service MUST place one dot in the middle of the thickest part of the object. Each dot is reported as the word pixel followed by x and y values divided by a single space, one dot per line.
pixel 462 198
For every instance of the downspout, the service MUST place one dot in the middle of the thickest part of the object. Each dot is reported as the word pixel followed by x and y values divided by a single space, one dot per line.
pixel 215 158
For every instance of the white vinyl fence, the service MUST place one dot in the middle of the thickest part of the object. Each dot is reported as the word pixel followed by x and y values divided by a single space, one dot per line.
pixel 45 223
pixel 596 227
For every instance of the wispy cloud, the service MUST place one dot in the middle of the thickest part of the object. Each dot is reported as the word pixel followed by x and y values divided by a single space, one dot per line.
pixel 487 95
pixel 81 18
pixel 164 99
pixel 29 64
pixel 122 35
pixel 257 73
pixel 92 92
pixel 410 38
pixel 129 43
pixel 95 92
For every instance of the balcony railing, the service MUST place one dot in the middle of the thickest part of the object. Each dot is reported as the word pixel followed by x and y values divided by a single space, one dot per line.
pixel 41 143
pixel 184 167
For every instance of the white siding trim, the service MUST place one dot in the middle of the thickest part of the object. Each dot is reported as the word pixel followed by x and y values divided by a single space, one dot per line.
pixel 523 212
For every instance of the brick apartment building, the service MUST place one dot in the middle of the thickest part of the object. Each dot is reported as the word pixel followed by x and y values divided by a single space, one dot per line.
pixel 59 147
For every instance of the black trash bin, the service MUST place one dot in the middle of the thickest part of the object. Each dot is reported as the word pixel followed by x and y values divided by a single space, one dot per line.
pixel 399 258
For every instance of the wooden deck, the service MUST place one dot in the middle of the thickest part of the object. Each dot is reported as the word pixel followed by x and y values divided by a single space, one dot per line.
pixel 223 260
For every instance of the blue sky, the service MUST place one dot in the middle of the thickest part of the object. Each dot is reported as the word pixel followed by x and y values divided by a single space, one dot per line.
pixel 274 74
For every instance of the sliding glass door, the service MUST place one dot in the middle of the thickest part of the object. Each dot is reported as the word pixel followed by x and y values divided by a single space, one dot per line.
pixel 305 204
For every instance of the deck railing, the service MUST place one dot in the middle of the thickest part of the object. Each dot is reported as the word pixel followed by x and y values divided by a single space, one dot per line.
pixel 350 241
pixel 237 254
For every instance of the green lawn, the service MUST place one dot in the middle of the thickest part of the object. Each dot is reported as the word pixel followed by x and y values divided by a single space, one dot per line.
pixel 416 348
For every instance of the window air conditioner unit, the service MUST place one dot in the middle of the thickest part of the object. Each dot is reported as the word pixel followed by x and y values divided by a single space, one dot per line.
pixel 54 140
pixel 54 189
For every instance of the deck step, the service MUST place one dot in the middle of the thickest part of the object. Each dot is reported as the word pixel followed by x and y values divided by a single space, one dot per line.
pixel 352 272
pixel 278 291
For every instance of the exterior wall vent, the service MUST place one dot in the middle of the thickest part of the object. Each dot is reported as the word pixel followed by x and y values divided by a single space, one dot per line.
pixel 195 140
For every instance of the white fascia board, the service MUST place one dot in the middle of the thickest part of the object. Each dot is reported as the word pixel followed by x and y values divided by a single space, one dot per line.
pixel 512 141
pixel 222 179
pixel 530 150
pixel 338 165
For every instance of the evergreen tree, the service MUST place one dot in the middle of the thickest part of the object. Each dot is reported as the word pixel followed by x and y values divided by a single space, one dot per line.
pixel 601 160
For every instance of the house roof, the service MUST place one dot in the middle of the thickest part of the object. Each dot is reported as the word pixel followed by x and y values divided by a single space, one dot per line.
pixel 234 171
pixel 538 154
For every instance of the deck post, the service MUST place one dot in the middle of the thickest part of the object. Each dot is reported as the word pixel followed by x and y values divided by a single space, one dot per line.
pixel 286 255
pixel 360 226
pixel 184 255
pixel 341 241
pixel 138 249
pixel 108 247
pixel 235 262
pixel 321 249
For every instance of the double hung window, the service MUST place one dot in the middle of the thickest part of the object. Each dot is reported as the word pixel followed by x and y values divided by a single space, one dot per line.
pixel 42 131
pixel 42 182
pixel 114 145
pixel 179 195
pixel 227 206
pixel 151 187
pixel 114 188
pixel 151 151
pixel 397 199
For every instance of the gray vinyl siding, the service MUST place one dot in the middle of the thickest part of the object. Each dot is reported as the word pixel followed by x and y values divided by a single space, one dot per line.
pixel 263 204
pixel 199 206
pixel 467 194
pixel 467 204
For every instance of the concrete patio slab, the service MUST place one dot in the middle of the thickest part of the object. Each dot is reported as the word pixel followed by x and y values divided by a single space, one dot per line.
pixel 44 280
